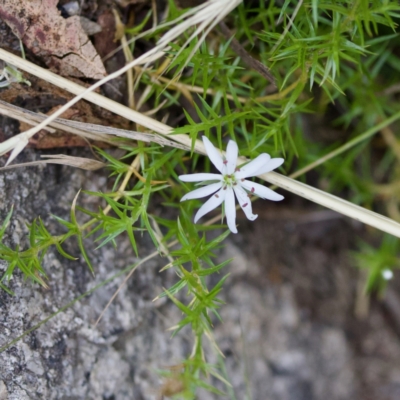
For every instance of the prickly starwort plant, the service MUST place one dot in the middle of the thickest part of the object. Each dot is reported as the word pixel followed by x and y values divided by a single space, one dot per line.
pixel 309 81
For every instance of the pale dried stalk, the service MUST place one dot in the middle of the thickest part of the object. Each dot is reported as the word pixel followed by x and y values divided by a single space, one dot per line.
pixel 327 200
pixel 334 203
pixel 62 159
pixel 205 16
pixel 84 129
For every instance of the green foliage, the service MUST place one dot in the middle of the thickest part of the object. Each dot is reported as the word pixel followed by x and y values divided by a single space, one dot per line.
pixel 336 68
pixel 29 261
pixel 10 74
pixel 129 215
pixel 379 264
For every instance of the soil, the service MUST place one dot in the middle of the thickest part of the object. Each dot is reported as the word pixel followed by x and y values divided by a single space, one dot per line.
pixel 295 324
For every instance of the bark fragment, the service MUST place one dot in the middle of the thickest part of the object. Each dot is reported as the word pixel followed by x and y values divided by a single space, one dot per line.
pixel 62 43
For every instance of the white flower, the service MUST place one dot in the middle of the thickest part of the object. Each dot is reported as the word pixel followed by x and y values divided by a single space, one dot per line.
pixel 231 182
pixel 387 274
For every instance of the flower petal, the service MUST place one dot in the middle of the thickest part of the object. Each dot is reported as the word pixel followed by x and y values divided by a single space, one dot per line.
pixel 244 202
pixel 231 157
pixel 202 192
pixel 230 210
pixel 253 166
pixel 261 191
pixel 200 177
pixel 270 166
pixel 213 154
pixel 213 202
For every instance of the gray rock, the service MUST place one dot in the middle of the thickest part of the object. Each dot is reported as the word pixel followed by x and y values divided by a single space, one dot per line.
pixel 68 356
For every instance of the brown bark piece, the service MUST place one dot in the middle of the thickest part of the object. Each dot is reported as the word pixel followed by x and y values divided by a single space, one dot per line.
pixel 62 43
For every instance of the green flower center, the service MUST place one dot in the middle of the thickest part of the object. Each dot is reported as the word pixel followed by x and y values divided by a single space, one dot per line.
pixel 229 180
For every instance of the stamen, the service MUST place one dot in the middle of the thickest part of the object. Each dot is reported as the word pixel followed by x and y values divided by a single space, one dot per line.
pixel 242 179
pixel 244 205
pixel 225 162
pixel 237 169
pixel 217 196
pixel 252 190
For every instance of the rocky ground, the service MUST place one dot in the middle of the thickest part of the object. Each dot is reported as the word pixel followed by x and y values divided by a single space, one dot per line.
pixel 288 331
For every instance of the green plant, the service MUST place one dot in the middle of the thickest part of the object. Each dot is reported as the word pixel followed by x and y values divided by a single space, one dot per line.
pixel 330 59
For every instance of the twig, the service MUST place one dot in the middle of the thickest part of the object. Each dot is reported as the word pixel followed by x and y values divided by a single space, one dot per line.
pixel 77 162
pixel 245 56
pixel 149 257
pixel 87 130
